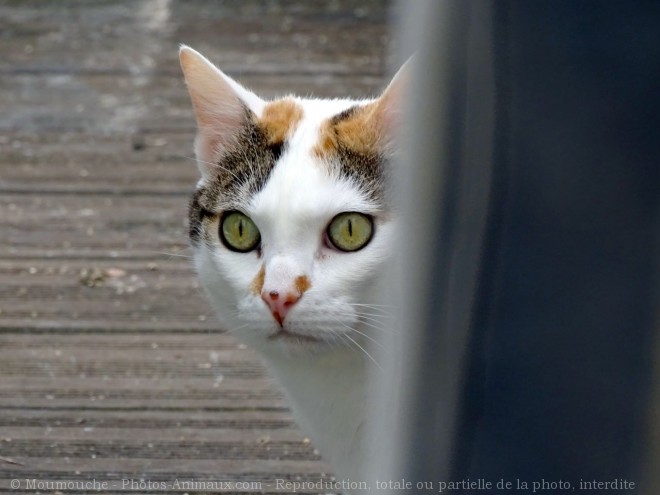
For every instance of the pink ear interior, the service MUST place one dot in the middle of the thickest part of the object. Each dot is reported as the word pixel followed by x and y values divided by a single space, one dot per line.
pixel 221 106
pixel 388 108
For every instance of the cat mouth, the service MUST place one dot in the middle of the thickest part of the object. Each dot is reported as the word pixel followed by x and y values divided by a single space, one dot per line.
pixel 287 335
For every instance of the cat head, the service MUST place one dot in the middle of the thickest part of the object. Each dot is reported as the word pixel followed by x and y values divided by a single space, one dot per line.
pixel 290 220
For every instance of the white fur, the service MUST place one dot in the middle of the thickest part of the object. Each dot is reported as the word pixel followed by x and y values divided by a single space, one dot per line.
pixel 325 379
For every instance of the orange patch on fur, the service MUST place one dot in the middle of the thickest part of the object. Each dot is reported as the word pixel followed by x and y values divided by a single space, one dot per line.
pixel 302 284
pixel 258 282
pixel 279 119
pixel 359 132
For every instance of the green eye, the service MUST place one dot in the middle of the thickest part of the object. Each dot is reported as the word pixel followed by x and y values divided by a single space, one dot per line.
pixel 350 231
pixel 238 232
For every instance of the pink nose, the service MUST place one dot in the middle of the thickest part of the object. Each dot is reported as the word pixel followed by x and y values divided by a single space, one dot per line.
pixel 280 304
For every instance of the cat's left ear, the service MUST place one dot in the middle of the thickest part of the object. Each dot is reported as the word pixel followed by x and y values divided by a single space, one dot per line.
pixel 372 127
pixel 387 110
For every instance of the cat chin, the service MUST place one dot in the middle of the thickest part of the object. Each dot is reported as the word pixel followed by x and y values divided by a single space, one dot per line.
pixel 284 335
pixel 295 347
pixel 290 343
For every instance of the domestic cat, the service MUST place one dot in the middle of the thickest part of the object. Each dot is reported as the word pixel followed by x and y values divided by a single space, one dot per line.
pixel 290 222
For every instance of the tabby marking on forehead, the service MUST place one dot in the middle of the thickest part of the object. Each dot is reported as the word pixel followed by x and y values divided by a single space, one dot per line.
pixel 279 119
pixel 349 144
pixel 353 128
pixel 244 167
pixel 241 172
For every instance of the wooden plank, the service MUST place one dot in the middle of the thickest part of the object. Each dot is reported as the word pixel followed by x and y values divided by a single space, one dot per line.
pixel 232 435
pixel 106 223
pixel 145 419
pixel 77 291
pixel 324 36
pixel 113 365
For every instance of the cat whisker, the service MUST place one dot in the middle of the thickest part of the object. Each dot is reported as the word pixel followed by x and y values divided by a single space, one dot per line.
pixel 367 336
pixel 235 329
pixel 365 352
pixel 374 327
pixel 380 309
pixel 171 256
pixel 389 306
pixel 372 316
pixel 344 341
pixel 235 312
pixel 372 312
pixel 380 329
pixel 355 330
pixel 362 319
pixel 348 344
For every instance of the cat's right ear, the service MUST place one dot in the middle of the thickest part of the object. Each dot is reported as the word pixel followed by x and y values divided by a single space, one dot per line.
pixel 222 106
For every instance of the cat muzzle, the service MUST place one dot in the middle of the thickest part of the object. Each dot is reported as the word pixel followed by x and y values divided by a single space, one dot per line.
pixel 280 304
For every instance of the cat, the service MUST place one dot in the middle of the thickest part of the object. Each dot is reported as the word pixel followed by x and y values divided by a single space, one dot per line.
pixel 291 222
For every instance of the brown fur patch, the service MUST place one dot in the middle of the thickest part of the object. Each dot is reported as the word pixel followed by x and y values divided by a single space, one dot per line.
pixel 280 119
pixel 302 284
pixel 352 144
pixel 356 129
pixel 258 282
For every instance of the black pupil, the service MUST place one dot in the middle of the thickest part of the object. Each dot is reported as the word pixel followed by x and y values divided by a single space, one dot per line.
pixel 240 227
pixel 350 227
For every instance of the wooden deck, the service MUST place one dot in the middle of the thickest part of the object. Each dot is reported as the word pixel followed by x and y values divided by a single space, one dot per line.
pixel 112 366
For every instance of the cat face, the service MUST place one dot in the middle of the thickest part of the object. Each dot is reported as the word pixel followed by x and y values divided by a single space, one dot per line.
pixel 290 220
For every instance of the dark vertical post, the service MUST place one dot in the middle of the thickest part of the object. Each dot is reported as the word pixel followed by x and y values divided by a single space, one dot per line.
pixel 444 185
pixel 528 262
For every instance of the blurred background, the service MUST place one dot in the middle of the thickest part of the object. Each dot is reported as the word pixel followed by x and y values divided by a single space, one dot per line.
pixel 111 363
pixel 538 124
